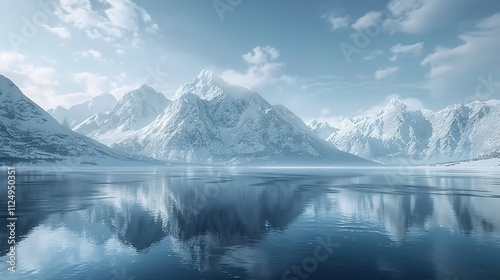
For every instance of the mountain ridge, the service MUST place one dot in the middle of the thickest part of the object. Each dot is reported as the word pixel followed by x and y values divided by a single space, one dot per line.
pixel 211 121
pixel 79 112
pixel 133 111
pixel 397 134
pixel 29 135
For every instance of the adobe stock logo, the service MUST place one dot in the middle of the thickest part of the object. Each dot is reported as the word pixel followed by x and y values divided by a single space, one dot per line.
pixel 223 6
pixel 376 23
pixel 309 265
pixel 31 26
pixel 485 88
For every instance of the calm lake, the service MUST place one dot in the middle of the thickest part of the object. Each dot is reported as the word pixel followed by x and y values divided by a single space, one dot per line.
pixel 254 223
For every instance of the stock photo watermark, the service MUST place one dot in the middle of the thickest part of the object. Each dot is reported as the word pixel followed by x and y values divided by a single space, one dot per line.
pixel 154 78
pixel 122 275
pixel 223 6
pixel 484 90
pixel 30 27
pixel 209 192
pixel 11 219
pixel 363 36
pixel 309 265
pixel 156 75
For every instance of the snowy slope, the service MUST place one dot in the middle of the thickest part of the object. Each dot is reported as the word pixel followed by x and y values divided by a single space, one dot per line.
pixel 398 134
pixel 77 113
pixel 210 121
pixel 29 135
pixel 493 162
pixel 133 111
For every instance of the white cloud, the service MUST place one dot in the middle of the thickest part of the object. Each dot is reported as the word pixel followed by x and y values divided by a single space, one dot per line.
pixel 43 76
pixel 337 21
pixel 367 20
pixel 119 92
pixel 62 32
pixel 122 14
pixel 327 116
pixel 136 40
pixel 413 16
pixel 41 95
pixel 13 63
pixel 374 54
pixel 402 49
pixel 399 49
pixel 261 69
pixel 420 16
pixel 383 73
pixel 36 81
pixel 411 103
pixel 120 52
pixel 92 54
pixel 261 55
pixel 414 103
pixel 9 60
pixel 454 69
pixel 95 84
pixel 121 18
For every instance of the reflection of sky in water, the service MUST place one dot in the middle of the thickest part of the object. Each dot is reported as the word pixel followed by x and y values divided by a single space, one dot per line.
pixel 69 249
pixel 256 224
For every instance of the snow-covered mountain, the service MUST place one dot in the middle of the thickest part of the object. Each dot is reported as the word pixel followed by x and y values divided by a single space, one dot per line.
pixel 322 129
pixel 29 135
pixel 399 134
pixel 78 113
pixel 134 111
pixel 210 121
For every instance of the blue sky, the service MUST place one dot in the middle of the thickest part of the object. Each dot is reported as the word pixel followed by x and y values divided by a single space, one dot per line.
pixel 321 59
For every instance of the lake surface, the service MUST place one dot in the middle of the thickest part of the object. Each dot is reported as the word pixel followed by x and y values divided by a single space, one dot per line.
pixel 204 223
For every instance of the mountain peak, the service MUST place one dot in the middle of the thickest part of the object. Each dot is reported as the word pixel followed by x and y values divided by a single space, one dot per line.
pixel 143 92
pixel 42 140
pixel 209 78
pixel 396 101
pixel 145 87
pixel 314 123
pixel 206 74
pixel 395 104
pixel 322 129
pixel 208 85
pixel 4 81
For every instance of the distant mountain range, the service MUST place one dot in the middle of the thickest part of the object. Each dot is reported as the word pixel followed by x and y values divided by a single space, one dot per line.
pixel 80 112
pixel 132 112
pixel 29 135
pixel 397 134
pixel 207 122
pixel 322 129
pixel 210 121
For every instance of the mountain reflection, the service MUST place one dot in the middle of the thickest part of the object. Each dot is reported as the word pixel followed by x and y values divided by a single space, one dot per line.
pixel 206 213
